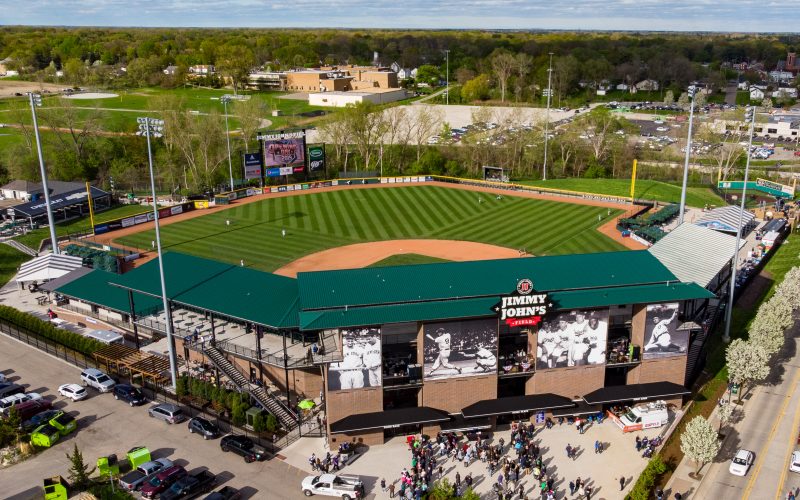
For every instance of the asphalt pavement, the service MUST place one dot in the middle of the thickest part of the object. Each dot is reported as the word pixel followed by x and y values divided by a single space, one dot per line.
pixel 107 426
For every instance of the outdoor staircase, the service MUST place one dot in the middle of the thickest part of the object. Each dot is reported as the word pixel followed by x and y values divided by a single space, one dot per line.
pixel 695 359
pixel 285 416
pixel 22 248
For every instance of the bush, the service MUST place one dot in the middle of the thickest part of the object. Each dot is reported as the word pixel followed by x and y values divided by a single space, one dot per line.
pixel 643 488
pixel 46 330
pixel 271 423
pixel 238 412
pixel 182 386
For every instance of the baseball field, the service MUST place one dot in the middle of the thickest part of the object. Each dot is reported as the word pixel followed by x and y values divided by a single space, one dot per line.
pixel 313 222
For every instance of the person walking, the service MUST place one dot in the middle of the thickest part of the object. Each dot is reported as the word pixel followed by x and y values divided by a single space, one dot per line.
pixel 572 487
pixel 383 485
pixel 569 450
pixel 391 490
pixel 621 483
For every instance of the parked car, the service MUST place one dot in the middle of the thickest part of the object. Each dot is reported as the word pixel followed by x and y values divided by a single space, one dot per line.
pixel 73 392
pixel 331 485
pixel 741 463
pixel 243 446
pixel 9 389
pixel 226 493
pixel 39 419
pixel 7 402
pixel 204 427
pixel 2 378
pixel 167 412
pixel 96 379
pixel 162 480
pixel 32 408
pixel 794 464
pixel 190 486
pixel 130 394
pixel 134 479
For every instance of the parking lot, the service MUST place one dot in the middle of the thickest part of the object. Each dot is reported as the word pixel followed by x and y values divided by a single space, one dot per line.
pixel 108 426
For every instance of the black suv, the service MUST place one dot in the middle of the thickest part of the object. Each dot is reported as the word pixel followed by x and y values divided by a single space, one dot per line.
pixel 132 395
pixel 243 446
pixel 203 427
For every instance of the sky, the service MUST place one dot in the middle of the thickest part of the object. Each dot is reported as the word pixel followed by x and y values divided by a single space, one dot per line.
pixel 637 15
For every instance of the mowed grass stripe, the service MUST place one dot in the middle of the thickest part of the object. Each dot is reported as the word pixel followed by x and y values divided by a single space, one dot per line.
pixel 401 200
pixel 361 221
pixel 432 213
pixel 330 204
pixel 382 223
pixel 399 226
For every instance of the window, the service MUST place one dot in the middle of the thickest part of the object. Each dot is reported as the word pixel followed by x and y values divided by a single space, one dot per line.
pixel 772 131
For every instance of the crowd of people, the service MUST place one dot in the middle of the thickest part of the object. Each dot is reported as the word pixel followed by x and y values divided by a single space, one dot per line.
pixel 506 464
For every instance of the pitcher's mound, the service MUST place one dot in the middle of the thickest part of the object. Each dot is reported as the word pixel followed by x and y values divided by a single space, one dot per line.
pixel 91 95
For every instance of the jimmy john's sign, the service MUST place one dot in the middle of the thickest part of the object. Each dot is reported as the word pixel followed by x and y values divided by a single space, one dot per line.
pixel 525 306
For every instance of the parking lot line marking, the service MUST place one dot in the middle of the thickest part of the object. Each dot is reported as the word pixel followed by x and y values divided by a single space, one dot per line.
pixel 760 457
pixel 789 450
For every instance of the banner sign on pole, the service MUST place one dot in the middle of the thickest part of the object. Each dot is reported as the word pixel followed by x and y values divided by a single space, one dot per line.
pixel 316 158
pixel 252 165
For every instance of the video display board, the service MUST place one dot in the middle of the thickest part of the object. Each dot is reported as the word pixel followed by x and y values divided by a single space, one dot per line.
pixel 285 148
pixel 361 363
pixel 460 348
pixel 661 336
pixel 572 338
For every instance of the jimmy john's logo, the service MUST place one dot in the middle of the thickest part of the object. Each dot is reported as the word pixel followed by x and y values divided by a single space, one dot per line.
pixel 524 306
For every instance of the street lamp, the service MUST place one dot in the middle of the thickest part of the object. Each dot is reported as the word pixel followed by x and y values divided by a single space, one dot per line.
pixel 36 100
pixel 154 127
pixel 547 116
pixel 225 100
pixel 750 115
pixel 447 77
pixel 691 91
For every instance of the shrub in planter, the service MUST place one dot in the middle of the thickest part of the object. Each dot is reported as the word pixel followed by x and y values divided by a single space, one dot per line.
pixel 271 423
pixel 45 330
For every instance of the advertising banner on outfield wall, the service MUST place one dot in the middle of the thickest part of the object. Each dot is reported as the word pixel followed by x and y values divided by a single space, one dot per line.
pixel 661 336
pixel 572 338
pixel 252 165
pixel 460 348
pixel 361 360
pixel 142 218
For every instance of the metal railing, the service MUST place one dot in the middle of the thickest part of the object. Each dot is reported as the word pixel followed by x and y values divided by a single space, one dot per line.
pixel 48 346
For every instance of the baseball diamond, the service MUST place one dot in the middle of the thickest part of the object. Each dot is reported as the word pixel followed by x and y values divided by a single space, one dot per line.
pixel 329 219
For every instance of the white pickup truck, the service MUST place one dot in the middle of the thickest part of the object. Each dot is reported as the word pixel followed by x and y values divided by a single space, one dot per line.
pixel 331 485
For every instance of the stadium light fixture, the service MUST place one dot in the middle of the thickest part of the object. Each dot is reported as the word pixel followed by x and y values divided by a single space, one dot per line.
pixel 225 100
pixel 36 100
pixel 154 127
pixel 750 115
pixel 691 92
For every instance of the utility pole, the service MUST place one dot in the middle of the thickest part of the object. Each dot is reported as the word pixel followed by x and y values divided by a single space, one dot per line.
pixel 547 115
pixel 691 91
pixel 147 127
pixel 447 77
pixel 750 115
pixel 36 100
pixel 225 100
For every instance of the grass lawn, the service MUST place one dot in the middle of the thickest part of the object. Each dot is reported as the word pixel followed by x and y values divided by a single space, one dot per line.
pixel 785 258
pixel 651 190
pixel 407 259
pixel 330 219
pixel 10 259
pixel 35 237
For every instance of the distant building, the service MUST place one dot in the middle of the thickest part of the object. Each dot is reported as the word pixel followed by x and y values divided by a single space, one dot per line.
pixel 780 76
pixel 202 69
pixel 788 91
pixel 28 190
pixel 340 99
pixel 4 66
pixel 341 79
pixel 170 70
pixel 645 86
pixel 791 63
pixel 757 93
pixel 267 80
pixel 622 86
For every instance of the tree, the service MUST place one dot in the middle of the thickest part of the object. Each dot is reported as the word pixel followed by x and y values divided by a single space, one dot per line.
pixel 699 442
pixel 700 98
pixel 747 363
pixel 429 74
pixel 503 64
pixel 366 125
pixel 683 100
pixel 476 89
pixel 249 113
pixel 424 122
pixel 235 62
pixel 669 97
pixel 725 414
pixel 766 103
pixel 79 471
pixel 772 319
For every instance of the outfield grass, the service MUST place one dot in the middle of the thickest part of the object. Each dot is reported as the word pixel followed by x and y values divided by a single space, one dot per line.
pixel 407 259
pixel 650 190
pixel 35 237
pixel 323 220
pixel 10 259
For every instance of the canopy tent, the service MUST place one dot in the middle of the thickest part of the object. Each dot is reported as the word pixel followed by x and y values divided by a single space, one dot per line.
pixel 63 201
pixel 48 267
pixel 635 392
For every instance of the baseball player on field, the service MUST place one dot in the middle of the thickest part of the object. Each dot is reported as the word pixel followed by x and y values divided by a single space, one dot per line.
pixel 442 341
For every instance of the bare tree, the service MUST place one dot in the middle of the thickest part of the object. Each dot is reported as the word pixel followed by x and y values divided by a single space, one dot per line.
pixel 249 113
pixel 334 131
pixel 523 67
pixel 423 124
pixel 503 65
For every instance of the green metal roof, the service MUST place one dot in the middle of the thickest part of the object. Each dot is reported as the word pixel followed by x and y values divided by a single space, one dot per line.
pixel 468 308
pixel 229 290
pixel 94 288
pixel 387 285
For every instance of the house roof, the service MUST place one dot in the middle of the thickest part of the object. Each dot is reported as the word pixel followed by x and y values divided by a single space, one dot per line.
pixel 695 253
pixel 487 278
pixel 18 185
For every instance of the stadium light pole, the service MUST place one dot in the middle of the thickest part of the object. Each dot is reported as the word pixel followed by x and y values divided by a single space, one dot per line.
pixel 36 100
pixel 750 115
pixel 691 91
pixel 225 100
pixel 547 115
pixel 147 127
pixel 447 77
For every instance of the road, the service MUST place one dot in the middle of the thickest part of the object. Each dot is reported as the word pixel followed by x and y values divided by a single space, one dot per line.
pixel 108 426
pixel 769 429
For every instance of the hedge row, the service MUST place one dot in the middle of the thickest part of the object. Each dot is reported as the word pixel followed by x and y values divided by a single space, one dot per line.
pixel 647 480
pixel 46 330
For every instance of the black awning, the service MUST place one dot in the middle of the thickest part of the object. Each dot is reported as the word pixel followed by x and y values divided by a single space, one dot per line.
pixel 389 419
pixel 581 408
pixel 57 202
pixel 516 404
pixel 460 424
pixel 635 392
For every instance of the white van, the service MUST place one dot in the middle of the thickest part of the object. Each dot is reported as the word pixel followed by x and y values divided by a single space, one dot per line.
pixel 105 336
pixel 644 416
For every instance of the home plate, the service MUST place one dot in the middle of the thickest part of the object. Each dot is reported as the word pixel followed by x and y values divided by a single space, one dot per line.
pixel 91 95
